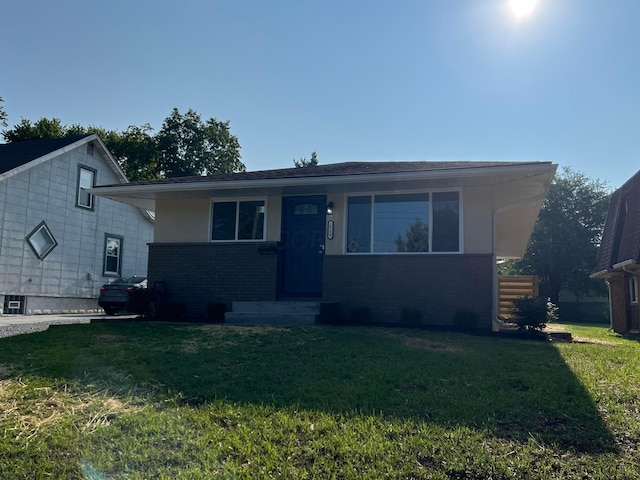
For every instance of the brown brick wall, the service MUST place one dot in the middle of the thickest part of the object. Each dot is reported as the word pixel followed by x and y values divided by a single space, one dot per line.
pixel 618 300
pixel 197 274
pixel 437 285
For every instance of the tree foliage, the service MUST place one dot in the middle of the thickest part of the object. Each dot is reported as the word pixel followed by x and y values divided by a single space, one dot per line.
pixel 43 128
pixel 417 238
pixel 185 145
pixel 189 146
pixel 303 162
pixel 3 114
pixel 564 243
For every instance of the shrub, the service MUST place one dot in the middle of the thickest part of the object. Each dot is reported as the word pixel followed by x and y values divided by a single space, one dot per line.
pixel 410 317
pixel 215 312
pixel 360 315
pixel 172 311
pixel 329 313
pixel 465 319
pixel 533 313
pixel 140 301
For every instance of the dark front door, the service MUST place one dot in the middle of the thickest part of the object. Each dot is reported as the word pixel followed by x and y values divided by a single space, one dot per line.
pixel 302 241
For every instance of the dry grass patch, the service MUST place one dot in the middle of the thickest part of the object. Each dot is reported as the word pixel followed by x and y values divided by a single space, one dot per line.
pixel 109 337
pixel 27 411
pixel 424 343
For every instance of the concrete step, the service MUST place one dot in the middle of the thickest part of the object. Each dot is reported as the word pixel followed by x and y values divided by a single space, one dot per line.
pixel 272 313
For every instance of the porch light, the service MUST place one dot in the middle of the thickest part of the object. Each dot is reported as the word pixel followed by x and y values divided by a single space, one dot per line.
pixel 330 208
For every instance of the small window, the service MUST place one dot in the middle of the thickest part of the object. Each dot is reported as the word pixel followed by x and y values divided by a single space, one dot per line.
pixel 242 220
pixel 14 304
pixel 41 240
pixel 86 180
pixel 633 290
pixel 306 209
pixel 112 255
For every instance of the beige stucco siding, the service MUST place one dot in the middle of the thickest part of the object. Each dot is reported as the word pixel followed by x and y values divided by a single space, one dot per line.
pixel 274 224
pixel 182 220
pixel 189 221
pixel 477 216
pixel 336 245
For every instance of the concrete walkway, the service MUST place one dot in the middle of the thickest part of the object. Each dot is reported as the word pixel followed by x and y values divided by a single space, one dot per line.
pixel 18 324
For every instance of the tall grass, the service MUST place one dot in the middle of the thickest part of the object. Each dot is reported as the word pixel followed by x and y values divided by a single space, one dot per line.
pixel 147 400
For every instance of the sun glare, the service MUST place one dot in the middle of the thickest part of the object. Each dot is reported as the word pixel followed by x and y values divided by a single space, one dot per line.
pixel 522 8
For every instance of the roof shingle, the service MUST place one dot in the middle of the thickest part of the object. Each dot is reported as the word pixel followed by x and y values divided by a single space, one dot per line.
pixel 15 154
pixel 335 169
pixel 621 235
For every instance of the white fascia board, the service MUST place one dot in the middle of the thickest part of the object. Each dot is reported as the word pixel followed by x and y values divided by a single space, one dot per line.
pixel 626 263
pixel 600 274
pixel 152 189
pixel 110 160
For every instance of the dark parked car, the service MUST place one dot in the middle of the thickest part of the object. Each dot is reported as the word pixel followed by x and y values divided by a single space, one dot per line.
pixel 114 296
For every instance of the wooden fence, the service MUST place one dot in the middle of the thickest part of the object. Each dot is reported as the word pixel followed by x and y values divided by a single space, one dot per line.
pixel 511 287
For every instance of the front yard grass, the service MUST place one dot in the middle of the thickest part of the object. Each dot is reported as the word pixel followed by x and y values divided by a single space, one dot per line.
pixel 161 400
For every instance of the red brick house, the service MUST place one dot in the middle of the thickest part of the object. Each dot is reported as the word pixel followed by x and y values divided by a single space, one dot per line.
pixel 388 236
pixel 618 261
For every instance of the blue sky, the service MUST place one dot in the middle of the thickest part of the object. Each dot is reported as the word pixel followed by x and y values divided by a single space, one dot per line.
pixel 352 80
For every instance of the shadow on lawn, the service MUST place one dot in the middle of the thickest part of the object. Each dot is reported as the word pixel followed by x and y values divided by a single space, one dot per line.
pixel 518 390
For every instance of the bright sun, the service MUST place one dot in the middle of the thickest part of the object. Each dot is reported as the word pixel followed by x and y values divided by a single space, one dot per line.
pixel 522 8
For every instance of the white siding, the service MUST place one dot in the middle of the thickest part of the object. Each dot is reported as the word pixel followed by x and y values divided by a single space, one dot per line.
pixel 74 268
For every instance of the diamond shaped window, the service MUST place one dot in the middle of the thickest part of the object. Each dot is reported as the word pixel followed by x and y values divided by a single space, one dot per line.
pixel 41 240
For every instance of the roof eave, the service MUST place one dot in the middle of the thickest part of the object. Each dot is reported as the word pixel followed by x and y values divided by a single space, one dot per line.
pixel 323 180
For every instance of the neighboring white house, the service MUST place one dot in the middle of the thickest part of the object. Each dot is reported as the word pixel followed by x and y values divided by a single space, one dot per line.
pixel 58 243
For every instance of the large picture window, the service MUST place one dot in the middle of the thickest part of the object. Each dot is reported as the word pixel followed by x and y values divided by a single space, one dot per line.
pixel 86 180
pixel 402 223
pixel 112 255
pixel 238 220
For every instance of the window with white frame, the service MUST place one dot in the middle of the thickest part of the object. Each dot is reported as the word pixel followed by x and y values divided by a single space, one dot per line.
pixel 633 289
pixel 238 220
pixel 112 255
pixel 425 222
pixel 41 240
pixel 86 180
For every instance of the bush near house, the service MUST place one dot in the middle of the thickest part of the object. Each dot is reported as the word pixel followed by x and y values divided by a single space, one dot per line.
pixel 533 313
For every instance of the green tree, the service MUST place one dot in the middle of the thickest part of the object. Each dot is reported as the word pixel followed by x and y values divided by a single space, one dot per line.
pixel 303 162
pixel 564 243
pixel 417 238
pixel 185 146
pixel 43 128
pixel 188 146
pixel 3 114
pixel 136 152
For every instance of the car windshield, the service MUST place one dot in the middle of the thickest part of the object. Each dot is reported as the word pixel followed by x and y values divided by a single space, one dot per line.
pixel 133 279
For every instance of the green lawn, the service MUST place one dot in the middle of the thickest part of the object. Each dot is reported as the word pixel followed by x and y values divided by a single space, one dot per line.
pixel 162 400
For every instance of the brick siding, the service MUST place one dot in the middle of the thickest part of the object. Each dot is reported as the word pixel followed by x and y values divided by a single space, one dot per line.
pixel 618 300
pixel 438 286
pixel 197 274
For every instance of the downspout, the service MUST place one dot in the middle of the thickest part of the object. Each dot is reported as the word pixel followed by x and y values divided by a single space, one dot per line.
pixel 497 322
pixel 608 284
